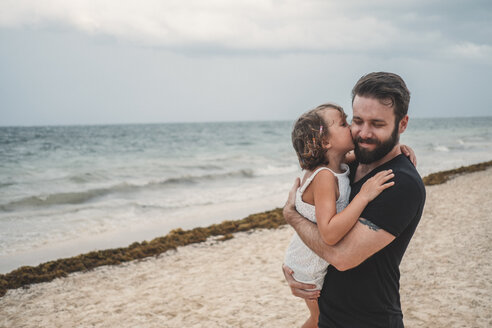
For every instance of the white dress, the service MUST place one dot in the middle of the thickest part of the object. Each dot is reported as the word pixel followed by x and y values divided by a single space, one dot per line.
pixel 307 266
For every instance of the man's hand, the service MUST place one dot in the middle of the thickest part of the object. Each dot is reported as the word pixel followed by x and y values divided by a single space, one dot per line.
pixel 298 288
pixel 290 207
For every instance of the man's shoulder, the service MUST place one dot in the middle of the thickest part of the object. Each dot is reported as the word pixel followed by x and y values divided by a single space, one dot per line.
pixel 407 172
pixel 400 204
pixel 407 181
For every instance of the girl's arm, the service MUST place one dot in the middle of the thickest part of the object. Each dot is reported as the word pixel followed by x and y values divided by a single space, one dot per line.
pixel 334 226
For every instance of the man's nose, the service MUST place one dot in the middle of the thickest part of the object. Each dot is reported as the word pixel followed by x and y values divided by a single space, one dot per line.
pixel 365 131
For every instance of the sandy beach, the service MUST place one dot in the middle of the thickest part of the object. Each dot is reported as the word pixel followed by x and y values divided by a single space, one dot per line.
pixel 446 280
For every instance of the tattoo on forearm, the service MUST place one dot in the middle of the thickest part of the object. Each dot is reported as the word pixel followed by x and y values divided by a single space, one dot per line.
pixel 368 223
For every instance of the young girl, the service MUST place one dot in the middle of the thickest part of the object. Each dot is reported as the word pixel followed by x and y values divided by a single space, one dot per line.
pixel 322 139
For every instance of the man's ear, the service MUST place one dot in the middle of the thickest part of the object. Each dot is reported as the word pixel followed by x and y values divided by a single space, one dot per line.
pixel 402 126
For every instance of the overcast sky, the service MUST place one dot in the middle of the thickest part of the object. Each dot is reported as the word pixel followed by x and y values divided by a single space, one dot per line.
pixel 153 61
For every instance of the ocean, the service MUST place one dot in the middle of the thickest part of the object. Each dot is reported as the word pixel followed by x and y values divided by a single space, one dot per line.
pixel 66 190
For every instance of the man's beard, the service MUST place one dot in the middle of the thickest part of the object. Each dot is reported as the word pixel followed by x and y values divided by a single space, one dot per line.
pixel 365 156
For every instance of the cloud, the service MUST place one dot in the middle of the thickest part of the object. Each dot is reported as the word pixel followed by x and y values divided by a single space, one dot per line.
pixel 240 25
pixel 286 26
pixel 472 51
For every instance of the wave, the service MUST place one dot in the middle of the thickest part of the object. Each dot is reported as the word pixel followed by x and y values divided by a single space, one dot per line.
pixel 88 195
pixel 6 184
pixel 202 166
pixel 277 170
pixel 62 198
pixel 189 179
pixel 441 148
pixel 85 178
pixel 239 143
pixel 80 197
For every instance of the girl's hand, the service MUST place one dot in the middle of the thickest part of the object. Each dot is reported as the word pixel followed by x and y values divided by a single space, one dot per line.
pixel 407 151
pixel 375 185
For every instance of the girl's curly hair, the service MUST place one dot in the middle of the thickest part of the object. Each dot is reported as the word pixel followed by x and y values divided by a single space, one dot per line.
pixel 308 134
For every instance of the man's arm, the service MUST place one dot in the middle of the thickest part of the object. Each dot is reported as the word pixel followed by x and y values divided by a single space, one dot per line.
pixel 360 243
pixel 364 240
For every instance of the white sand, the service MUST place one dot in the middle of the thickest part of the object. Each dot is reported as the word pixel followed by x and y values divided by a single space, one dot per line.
pixel 446 278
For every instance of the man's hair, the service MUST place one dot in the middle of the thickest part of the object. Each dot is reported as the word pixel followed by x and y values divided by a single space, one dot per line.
pixel 308 134
pixel 388 88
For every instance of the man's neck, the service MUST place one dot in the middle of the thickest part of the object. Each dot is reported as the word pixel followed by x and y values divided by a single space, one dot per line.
pixel 363 169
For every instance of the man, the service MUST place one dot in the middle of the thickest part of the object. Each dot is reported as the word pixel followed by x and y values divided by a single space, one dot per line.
pixel 361 287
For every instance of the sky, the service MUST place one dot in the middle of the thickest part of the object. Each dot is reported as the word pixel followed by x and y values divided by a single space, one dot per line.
pixel 156 61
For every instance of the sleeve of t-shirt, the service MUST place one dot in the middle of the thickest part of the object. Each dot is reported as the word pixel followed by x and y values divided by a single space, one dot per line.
pixel 396 206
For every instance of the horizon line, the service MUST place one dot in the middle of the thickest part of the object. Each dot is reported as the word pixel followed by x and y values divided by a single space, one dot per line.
pixel 204 122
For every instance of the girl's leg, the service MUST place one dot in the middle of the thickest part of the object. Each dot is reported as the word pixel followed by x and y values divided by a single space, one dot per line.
pixel 312 321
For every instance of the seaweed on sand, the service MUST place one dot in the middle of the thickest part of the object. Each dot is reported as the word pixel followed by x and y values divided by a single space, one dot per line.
pixel 26 275
pixel 443 176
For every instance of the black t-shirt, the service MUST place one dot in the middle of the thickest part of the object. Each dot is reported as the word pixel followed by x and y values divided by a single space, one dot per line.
pixel 368 295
